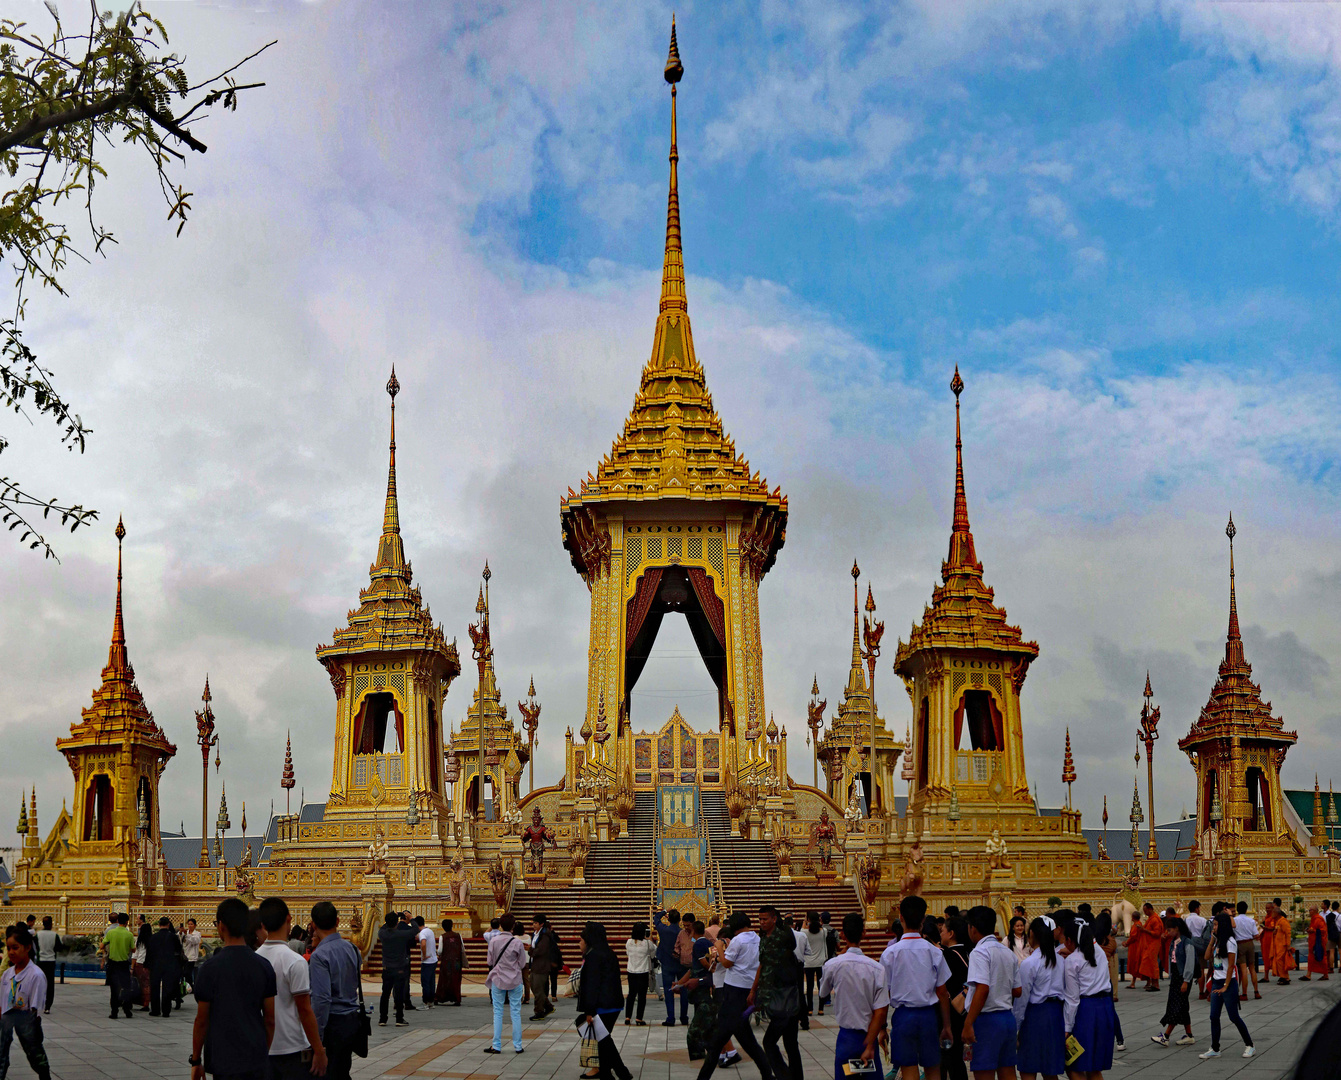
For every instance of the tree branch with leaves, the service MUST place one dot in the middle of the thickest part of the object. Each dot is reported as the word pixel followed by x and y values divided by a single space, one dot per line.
pixel 65 97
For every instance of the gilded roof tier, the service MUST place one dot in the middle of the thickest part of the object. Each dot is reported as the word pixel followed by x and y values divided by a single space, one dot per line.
pixel 1235 706
pixel 118 713
pixel 673 445
pixel 391 615
pixel 963 613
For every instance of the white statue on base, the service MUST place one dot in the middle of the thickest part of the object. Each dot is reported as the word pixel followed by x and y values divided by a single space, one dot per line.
pixel 996 851
pixel 378 853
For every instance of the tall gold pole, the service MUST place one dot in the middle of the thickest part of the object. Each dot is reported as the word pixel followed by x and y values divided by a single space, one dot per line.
pixel 1148 733
pixel 207 739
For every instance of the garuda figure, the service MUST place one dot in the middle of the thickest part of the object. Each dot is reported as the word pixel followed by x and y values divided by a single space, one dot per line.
pixel 826 836
pixel 534 838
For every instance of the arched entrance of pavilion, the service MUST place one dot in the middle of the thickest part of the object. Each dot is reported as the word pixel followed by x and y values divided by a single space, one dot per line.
pixel 690 592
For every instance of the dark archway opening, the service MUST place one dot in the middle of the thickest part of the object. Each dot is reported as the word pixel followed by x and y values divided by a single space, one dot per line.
pixel 922 738
pixel 434 749
pixel 98 809
pixel 1208 799
pixel 372 722
pixel 689 592
pixel 983 719
pixel 1259 799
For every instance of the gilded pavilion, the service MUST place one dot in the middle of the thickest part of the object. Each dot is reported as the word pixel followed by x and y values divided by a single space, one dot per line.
pixel 427 814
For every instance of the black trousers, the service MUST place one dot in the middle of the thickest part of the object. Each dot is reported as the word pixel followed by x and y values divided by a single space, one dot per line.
pixel 733 1023
pixel 289 1066
pixel 48 968
pixel 783 1028
pixel 611 1066
pixel 428 981
pixel 163 983
pixel 27 1025
pixel 395 982
pixel 338 1038
pixel 124 989
pixel 637 993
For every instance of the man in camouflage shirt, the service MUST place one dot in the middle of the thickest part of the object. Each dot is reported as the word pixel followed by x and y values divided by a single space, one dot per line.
pixel 777 989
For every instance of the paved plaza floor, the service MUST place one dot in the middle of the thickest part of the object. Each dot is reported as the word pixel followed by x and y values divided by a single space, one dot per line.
pixel 449 1042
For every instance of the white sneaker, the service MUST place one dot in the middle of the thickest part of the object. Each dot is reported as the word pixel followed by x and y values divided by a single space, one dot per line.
pixel 1212 1053
pixel 1247 1051
pixel 1186 1040
pixel 1120 1046
pixel 1162 1040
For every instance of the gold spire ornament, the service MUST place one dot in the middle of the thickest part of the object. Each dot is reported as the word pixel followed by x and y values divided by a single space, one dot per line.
pixel 287 780
pixel 1068 769
pixel 1147 733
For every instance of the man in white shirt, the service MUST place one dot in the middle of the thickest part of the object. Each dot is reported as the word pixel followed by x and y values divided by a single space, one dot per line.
pixel 428 962
pixel 47 941
pixel 296 1050
pixel 916 974
pixel 1245 934
pixel 741 961
pixel 1196 927
pixel 992 983
pixel 860 993
pixel 191 950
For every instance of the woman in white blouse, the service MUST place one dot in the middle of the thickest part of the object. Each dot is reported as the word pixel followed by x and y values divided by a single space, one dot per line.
pixel 639 950
pixel 1018 939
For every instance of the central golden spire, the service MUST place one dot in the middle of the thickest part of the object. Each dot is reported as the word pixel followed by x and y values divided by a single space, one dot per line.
pixel 962 554
pixel 391 549
pixel 672 273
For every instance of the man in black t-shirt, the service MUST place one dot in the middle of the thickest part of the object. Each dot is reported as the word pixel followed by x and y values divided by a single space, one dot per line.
pixel 397 940
pixel 235 1011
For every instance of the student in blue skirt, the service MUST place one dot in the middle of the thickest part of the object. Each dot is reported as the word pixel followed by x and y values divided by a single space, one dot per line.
pixel 1088 1012
pixel 994 974
pixel 1038 1009
pixel 916 974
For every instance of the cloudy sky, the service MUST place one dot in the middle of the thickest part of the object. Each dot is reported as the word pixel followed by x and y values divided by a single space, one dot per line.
pixel 1120 219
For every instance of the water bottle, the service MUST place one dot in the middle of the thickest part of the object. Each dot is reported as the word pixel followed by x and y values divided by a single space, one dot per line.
pixel 946 1044
pixel 968 1053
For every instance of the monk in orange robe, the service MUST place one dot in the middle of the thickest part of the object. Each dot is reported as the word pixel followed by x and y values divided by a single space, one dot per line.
pixel 1317 946
pixel 1269 940
pixel 1283 953
pixel 1143 947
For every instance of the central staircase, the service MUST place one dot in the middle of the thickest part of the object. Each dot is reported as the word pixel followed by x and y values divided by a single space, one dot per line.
pixel 750 872
pixel 618 892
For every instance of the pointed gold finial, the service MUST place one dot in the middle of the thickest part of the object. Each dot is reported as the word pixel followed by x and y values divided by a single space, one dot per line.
pixel 672 271
pixel 1231 532
pixel 814 686
pixel 531 691
pixel 674 69
pixel 962 553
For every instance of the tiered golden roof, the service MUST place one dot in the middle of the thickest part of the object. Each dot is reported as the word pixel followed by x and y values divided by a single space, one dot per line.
pixel 963 613
pixel 673 444
pixel 500 735
pixel 118 713
pixel 852 724
pixel 1235 706
pixel 391 614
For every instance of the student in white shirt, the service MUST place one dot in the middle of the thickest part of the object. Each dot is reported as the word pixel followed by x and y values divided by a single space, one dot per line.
pixel 1038 1010
pixel 994 976
pixel 1225 985
pixel 295 1051
pixel 1088 1013
pixel 1196 926
pixel 639 950
pixel 428 962
pixel 741 960
pixel 860 991
pixel 1246 932
pixel 915 975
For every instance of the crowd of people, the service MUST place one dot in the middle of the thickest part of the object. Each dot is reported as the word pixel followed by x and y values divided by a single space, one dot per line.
pixel 950 994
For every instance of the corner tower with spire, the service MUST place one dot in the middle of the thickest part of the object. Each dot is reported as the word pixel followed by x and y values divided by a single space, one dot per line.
pixel 964 667
pixel 390 669
pixel 117 752
pixel 1237 748
pixel 674 520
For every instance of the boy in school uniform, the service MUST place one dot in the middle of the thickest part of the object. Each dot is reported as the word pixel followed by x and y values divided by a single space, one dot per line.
pixel 861 999
pixel 23 992
pixel 916 974
pixel 992 985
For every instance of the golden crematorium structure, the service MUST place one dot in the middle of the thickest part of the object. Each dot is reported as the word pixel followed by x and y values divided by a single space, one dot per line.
pixel 426 813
